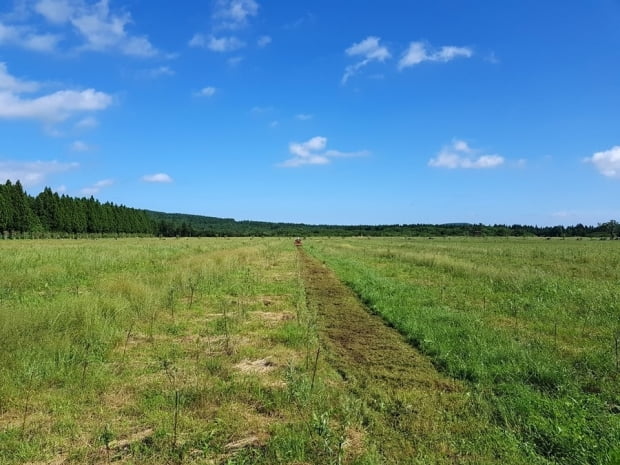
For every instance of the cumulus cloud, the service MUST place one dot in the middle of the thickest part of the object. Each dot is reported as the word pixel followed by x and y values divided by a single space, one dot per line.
pixel 53 107
pixel 206 92
pixel 215 44
pixel 234 14
pixel 303 116
pixel 55 11
pixel 228 15
pixel 103 30
pixel 12 84
pixel 96 188
pixel 460 155
pixel 32 173
pixel 607 162
pixel 95 24
pixel 26 37
pixel 313 152
pixel 418 52
pixel 158 178
pixel 368 50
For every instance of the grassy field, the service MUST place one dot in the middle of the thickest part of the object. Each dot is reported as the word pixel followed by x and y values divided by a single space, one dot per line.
pixel 165 351
pixel 531 326
pixel 215 351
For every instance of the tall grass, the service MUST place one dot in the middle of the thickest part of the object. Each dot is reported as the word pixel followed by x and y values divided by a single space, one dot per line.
pixel 132 351
pixel 529 325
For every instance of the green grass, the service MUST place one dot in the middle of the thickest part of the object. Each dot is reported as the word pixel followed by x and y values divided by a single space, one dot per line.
pixel 202 350
pixel 136 351
pixel 530 325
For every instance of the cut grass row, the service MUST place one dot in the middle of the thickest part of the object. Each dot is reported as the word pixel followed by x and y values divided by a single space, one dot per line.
pixel 531 326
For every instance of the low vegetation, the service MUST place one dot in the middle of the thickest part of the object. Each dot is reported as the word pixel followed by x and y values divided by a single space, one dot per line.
pixel 531 326
pixel 149 351
pixel 238 351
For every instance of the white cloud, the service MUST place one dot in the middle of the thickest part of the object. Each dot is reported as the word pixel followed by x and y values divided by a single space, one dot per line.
pixel 32 173
pixel 55 11
pixel 87 123
pixel 96 188
pixel 369 50
pixel 418 53
pixel 12 84
pixel 461 155
pixel 215 44
pixel 234 14
pixel 304 116
pixel 103 30
pixel 52 107
pixel 26 37
pixel 99 28
pixel 206 92
pixel 263 41
pixel 448 53
pixel 197 40
pixel 607 162
pixel 159 178
pixel 80 146
pixel 312 152
pixel 224 44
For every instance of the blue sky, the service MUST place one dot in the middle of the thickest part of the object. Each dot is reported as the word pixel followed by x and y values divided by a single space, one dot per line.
pixel 345 112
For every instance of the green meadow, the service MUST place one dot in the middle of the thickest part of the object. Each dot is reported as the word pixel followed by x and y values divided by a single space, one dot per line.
pixel 531 326
pixel 211 351
pixel 150 351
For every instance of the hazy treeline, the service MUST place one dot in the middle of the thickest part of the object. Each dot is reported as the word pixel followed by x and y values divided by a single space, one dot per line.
pixel 23 215
pixel 174 224
pixel 51 214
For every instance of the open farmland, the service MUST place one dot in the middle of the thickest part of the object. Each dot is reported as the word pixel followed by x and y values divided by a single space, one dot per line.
pixel 231 351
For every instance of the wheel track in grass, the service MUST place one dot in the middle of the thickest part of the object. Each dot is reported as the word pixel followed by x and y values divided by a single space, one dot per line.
pixel 412 413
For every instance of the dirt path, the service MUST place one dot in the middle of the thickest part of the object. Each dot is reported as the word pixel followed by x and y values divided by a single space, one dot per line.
pixel 415 414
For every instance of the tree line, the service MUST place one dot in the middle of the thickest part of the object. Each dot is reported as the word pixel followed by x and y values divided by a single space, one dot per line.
pixel 178 224
pixel 52 215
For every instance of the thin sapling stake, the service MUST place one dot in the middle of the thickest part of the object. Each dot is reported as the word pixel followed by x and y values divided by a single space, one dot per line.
pixel 171 373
